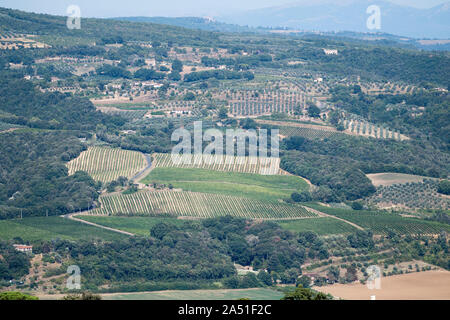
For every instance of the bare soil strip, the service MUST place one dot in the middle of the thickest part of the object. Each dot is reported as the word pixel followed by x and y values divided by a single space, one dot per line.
pixel 429 285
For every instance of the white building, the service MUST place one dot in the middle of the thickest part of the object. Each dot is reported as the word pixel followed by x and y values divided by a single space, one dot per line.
pixel 23 248
pixel 330 52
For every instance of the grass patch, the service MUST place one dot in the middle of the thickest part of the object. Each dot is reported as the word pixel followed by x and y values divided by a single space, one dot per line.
pixel 259 187
pixel 48 228
pixel 137 225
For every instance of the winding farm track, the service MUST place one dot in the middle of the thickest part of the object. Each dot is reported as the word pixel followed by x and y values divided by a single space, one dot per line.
pixel 71 216
pixel 321 214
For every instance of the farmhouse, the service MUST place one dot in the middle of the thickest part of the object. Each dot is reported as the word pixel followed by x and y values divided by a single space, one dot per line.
pixel 23 248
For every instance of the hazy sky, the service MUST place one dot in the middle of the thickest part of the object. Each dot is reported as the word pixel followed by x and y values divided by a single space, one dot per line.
pixel 122 8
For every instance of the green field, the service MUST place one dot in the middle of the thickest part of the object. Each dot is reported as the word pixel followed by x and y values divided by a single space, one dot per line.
pixel 259 187
pixel 222 294
pixel 383 222
pixel 137 225
pixel 48 228
pixel 321 226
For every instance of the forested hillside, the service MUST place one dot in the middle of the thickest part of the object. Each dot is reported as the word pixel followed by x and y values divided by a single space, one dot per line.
pixel 34 179
pixel 360 177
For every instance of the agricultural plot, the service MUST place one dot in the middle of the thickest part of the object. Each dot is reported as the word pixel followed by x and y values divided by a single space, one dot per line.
pixel 107 164
pixel 128 114
pixel 136 225
pixel 307 133
pixel 48 228
pixel 256 165
pixel 254 103
pixel 411 196
pixel 200 205
pixel 306 130
pixel 374 88
pixel 321 226
pixel 383 222
pixel 259 187
pixel 222 294
pixel 11 41
pixel 366 129
pixel 390 178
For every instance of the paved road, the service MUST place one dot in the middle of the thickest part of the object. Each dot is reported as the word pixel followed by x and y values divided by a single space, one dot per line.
pixel 141 173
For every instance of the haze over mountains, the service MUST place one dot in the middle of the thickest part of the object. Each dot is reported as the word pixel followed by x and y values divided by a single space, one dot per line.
pixel 349 15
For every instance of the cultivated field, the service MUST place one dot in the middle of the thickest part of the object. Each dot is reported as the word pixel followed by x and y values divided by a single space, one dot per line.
pixel 200 205
pixel 219 294
pixel 366 129
pixel 48 228
pixel 307 133
pixel 389 178
pixel 321 226
pixel 107 164
pixel 222 294
pixel 259 187
pixel 383 222
pixel 258 165
pixel 412 196
pixel 429 285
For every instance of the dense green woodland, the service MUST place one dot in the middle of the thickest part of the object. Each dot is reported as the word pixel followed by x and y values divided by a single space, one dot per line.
pixel 13 264
pixel 21 103
pixel 34 179
pixel 338 164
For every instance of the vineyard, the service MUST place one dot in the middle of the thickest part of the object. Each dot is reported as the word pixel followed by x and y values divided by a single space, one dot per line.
pixel 107 164
pixel 306 130
pixel 200 205
pixel 259 102
pixel 322 226
pixel 383 223
pixel 257 165
pixel 127 114
pixel 306 133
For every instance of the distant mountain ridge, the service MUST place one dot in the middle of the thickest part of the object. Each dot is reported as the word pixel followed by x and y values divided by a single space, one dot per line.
pixel 349 15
